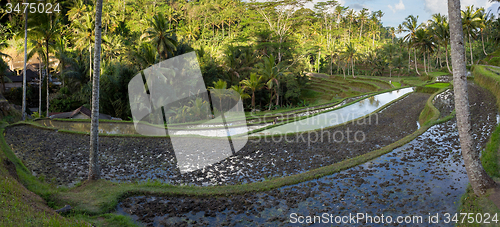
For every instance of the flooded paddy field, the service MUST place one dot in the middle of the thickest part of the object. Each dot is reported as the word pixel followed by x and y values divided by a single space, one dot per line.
pixel 124 159
pixel 424 177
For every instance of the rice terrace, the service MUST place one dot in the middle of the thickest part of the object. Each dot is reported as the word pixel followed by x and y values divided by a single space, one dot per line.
pixel 249 113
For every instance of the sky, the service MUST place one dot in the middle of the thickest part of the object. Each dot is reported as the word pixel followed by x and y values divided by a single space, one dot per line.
pixel 397 10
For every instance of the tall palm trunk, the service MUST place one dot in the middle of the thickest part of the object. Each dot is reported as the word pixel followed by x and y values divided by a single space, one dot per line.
pixel 90 59
pixel 352 61
pixel 47 73
pixel 416 68
pixel 253 99
pixel 479 180
pixel 425 65
pixel 40 84
pixel 470 45
pixel 25 61
pixel 447 62
pixel 94 172
pixel 277 94
pixel 331 64
pixel 409 60
pixel 482 41
pixel 271 101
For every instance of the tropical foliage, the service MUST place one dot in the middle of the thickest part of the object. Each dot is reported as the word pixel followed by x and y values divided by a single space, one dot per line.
pixel 260 50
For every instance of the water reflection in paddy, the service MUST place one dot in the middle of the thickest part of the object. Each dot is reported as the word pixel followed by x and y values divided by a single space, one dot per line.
pixel 339 116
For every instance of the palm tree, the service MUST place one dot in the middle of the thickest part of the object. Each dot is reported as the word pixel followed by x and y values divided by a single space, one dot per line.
pixel 190 31
pixel 241 93
pixel 36 46
pixel 392 31
pixel 25 61
pixel 441 30
pixel 253 83
pixel 47 30
pixel 424 42
pixel 94 172
pixel 349 56
pixel 159 33
pixel 61 54
pixel 390 50
pixel 471 21
pixel 271 71
pixel 84 30
pixel 78 10
pixel 145 55
pixel 171 15
pixel 411 26
pixel 484 19
pixel 219 91
pixel 363 15
pixel 478 178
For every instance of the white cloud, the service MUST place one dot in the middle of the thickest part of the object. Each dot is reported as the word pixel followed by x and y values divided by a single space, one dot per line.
pixel 399 6
pixel 434 6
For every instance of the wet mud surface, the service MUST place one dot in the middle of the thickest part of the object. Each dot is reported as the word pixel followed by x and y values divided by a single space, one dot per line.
pixel 424 176
pixel 64 160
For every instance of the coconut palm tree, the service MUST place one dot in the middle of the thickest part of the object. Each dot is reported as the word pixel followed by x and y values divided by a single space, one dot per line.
pixel 271 72
pixel 37 47
pixel 471 21
pixel 411 26
pixel 171 15
pixel 484 19
pixel 363 16
pixel 60 53
pixel 145 55
pixel 424 42
pixel 47 29
pixel 478 178
pixel 219 91
pixel 160 34
pixel 84 35
pixel 441 30
pixel 253 83
pixel 94 172
pixel 237 89
pixel 350 54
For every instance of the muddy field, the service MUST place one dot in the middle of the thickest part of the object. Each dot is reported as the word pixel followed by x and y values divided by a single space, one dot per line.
pixel 64 160
pixel 424 176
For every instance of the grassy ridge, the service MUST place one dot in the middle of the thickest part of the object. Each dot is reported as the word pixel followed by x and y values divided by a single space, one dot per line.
pixel 470 202
pixel 427 115
pixel 18 206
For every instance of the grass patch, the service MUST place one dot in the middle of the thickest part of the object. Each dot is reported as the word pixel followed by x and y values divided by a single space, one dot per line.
pixel 438 85
pixel 20 207
pixel 427 116
pixel 436 74
pixel 471 203
pixel 396 84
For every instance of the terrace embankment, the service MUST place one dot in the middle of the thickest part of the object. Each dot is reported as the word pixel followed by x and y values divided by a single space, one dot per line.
pixel 63 157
